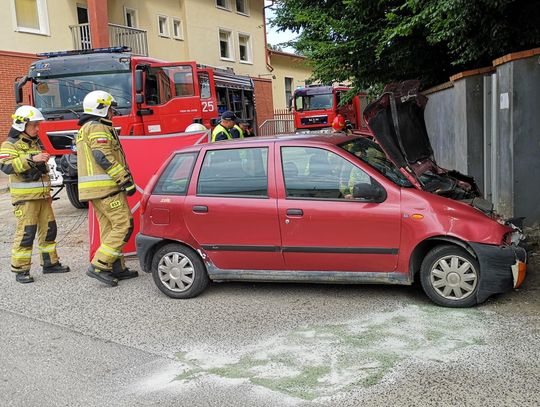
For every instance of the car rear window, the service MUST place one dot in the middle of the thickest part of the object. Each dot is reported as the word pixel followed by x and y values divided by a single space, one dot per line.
pixel 240 172
pixel 175 179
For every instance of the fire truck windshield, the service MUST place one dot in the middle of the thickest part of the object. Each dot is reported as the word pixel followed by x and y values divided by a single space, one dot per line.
pixel 314 102
pixel 66 94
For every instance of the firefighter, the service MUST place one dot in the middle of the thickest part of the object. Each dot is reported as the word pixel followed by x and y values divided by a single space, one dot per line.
pixel 105 181
pixel 22 158
pixel 340 125
pixel 223 130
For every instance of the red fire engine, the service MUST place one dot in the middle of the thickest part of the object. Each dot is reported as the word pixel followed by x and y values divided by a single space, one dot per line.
pixel 316 106
pixel 154 97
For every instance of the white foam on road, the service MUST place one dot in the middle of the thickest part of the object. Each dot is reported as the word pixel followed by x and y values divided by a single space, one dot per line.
pixel 315 362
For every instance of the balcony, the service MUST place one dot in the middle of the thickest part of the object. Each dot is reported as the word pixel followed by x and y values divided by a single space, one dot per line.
pixel 119 35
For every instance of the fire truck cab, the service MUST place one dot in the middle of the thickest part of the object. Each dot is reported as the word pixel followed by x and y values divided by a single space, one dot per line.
pixel 154 97
pixel 316 106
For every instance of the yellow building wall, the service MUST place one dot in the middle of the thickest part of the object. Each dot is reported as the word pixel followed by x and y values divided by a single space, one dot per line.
pixel 61 14
pixel 203 21
pixel 287 67
pixel 161 47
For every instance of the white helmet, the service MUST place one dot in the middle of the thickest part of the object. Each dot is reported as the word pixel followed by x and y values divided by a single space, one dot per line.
pixel 97 103
pixel 194 127
pixel 25 114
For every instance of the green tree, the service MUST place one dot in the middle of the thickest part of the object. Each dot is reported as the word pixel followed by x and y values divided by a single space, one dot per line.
pixel 378 41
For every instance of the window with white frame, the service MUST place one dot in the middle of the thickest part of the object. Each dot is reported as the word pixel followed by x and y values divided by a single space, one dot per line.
pixel 225 44
pixel 223 4
pixel 163 26
pixel 130 17
pixel 244 48
pixel 242 7
pixel 31 16
pixel 177 29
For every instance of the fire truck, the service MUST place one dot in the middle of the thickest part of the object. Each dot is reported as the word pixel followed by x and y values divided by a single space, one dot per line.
pixel 316 106
pixel 154 98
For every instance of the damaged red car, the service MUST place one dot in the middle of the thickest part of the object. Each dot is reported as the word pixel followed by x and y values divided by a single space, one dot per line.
pixel 328 209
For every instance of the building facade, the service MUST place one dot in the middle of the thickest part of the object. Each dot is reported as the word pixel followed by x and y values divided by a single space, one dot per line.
pixel 220 33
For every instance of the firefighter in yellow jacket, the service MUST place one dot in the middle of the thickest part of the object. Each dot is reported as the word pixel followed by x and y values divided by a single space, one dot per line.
pixel 105 180
pixel 22 158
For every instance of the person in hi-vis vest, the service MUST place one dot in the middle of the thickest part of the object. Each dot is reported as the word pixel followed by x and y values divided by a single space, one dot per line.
pixel 223 130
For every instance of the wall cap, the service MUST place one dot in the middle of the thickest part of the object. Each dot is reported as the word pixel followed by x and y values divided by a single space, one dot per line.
pixel 471 72
pixel 515 56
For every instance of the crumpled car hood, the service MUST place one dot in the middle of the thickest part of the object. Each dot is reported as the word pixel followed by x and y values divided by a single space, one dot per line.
pixel 397 122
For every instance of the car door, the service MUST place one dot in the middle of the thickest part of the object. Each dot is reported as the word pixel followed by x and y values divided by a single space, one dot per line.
pixel 323 227
pixel 231 209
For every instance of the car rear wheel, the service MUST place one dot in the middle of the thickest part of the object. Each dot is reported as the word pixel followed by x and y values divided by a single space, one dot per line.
pixel 179 272
pixel 450 277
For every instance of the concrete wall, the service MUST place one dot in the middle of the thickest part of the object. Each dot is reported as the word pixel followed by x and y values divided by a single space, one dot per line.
pixel 440 118
pixel 487 125
pixel 519 137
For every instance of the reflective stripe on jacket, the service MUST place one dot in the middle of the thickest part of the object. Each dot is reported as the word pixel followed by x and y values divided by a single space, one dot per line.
pixel 101 164
pixel 28 180
pixel 218 130
pixel 237 130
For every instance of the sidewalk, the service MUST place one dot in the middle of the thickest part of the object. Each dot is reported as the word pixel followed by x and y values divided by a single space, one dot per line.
pixel 3 182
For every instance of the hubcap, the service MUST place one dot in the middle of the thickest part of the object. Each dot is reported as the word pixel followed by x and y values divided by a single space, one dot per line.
pixel 176 272
pixel 453 277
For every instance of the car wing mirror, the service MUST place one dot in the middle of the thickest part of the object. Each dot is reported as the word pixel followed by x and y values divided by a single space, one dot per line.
pixel 369 192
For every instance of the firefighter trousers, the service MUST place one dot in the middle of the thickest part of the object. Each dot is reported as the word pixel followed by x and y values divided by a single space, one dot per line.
pixel 115 228
pixel 34 216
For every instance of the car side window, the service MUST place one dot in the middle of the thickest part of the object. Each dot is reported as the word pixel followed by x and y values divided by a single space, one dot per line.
pixel 175 179
pixel 239 172
pixel 321 174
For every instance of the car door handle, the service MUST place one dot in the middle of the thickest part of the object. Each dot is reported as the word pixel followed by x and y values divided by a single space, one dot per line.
pixel 295 212
pixel 200 209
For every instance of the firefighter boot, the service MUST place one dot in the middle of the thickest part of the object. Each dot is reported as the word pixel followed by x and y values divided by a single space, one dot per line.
pixel 24 277
pixel 122 273
pixel 101 275
pixel 56 268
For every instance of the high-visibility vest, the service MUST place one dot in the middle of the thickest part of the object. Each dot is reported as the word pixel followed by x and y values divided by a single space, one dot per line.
pixel 220 129
pixel 101 164
pixel 240 131
pixel 27 180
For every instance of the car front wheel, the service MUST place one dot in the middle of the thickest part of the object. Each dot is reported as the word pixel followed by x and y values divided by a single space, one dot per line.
pixel 179 272
pixel 450 277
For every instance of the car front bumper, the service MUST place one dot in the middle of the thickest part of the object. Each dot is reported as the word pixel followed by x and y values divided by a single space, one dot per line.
pixel 501 268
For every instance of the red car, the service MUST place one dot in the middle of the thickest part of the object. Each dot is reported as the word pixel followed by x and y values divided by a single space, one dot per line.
pixel 323 208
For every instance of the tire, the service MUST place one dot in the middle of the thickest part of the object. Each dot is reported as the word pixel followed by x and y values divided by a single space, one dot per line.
pixel 450 277
pixel 179 272
pixel 72 189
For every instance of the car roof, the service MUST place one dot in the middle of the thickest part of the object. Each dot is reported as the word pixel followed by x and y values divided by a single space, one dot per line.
pixel 293 138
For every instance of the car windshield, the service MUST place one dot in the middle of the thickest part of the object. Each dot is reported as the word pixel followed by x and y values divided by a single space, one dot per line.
pixel 372 154
pixel 314 102
pixel 61 95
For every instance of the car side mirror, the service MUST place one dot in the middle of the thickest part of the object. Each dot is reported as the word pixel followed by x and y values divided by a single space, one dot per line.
pixel 369 192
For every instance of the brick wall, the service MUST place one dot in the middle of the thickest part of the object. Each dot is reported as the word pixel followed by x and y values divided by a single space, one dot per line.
pixel 12 65
pixel 264 102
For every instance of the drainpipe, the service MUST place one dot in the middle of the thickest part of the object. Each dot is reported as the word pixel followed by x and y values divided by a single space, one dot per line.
pixel 98 17
pixel 266 50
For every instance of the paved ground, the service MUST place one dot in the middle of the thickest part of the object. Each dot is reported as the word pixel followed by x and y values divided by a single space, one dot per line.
pixel 67 340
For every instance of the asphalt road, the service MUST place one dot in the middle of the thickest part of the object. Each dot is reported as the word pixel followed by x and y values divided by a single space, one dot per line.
pixel 67 340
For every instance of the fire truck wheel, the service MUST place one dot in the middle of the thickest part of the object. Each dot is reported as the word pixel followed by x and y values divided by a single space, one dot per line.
pixel 73 196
